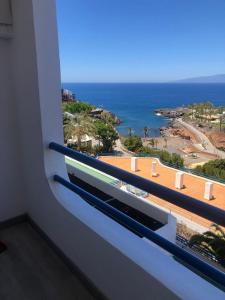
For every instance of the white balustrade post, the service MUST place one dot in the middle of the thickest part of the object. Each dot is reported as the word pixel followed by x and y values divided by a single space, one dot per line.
pixel 154 173
pixel 133 164
pixel 208 194
pixel 179 184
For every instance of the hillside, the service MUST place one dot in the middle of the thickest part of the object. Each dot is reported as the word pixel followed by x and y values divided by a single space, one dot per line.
pixel 220 78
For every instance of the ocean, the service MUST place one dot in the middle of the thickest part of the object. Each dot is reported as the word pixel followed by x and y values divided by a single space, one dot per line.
pixel 134 103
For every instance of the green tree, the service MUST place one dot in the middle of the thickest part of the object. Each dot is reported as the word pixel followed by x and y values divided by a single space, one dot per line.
pixel 133 143
pixel 215 168
pixel 76 127
pixel 106 134
pixel 77 107
pixel 212 240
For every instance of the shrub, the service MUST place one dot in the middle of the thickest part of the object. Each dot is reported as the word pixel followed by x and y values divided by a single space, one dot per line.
pixel 97 149
pixel 77 107
pixel 177 160
pixel 214 168
pixel 165 156
pixel 174 159
pixel 133 143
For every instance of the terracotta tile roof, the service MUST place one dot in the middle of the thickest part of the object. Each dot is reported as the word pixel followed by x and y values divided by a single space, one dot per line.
pixel 194 186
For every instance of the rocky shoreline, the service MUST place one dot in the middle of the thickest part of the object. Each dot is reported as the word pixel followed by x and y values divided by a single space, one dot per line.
pixel 99 113
pixel 171 113
pixel 174 129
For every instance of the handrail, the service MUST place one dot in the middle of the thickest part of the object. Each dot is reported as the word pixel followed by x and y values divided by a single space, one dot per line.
pixel 195 206
pixel 212 273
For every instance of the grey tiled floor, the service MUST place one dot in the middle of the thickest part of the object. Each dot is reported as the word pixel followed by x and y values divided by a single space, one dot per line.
pixel 30 270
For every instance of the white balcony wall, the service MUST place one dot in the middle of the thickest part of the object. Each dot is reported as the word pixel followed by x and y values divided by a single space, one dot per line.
pixel 120 264
pixel 11 185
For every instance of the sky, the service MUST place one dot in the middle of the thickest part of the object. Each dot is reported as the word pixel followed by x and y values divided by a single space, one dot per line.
pixel 140 40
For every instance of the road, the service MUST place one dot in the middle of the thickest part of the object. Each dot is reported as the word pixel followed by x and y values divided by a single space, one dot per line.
pixel 120 150
pixel 206 145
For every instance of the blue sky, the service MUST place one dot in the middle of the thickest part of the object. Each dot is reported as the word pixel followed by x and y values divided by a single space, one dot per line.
pixel 140 40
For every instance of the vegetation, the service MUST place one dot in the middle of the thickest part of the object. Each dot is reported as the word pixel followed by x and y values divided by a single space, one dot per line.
pixel 152 142
pixel 130 131
pixel 78 122
pixel 108 118
pixel 205 112
pixel 105 134
pixel 77 107
pixel 77 127
pixel 133 143
pixel 213 241
pixel 185 231
pixel 93 150
pixel 202 110
pixel 215 168
pixel 146 132
pixel 171 158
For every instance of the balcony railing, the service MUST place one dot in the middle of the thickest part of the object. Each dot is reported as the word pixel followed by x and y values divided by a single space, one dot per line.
pixel 207 211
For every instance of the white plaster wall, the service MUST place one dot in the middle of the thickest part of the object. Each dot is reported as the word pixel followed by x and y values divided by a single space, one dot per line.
pixel 11 200
pixel 168 230
pixel 120 264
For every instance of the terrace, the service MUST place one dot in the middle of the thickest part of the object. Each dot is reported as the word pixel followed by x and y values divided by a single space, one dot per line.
pixel 194 186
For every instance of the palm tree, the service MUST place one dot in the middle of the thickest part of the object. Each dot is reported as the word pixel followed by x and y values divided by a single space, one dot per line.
pixel 192 107
pixel 165 141
pixel 77 126
pixel 212 241
pixel 130 131
pixel 210 108
pixel 146 131
pixel 221 121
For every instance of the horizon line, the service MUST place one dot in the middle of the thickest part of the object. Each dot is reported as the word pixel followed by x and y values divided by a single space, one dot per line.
pixel 139 82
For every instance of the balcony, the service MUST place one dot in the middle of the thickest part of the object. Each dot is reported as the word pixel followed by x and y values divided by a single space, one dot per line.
pixel 121 247
pixel 90 187
pixel 31 269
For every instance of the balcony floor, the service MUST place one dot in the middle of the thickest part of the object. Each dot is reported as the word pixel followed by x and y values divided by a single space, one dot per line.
pixel 29 269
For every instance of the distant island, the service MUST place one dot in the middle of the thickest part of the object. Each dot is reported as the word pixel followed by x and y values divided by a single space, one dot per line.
pixel 219 78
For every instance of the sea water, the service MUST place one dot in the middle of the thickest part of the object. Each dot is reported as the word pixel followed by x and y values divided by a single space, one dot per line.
pixel 134 103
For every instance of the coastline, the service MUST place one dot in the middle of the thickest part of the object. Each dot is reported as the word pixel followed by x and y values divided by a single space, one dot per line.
pixel 183 138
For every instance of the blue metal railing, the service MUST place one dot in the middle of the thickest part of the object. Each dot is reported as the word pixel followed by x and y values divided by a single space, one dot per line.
pixel 207 270
pixel 200 208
